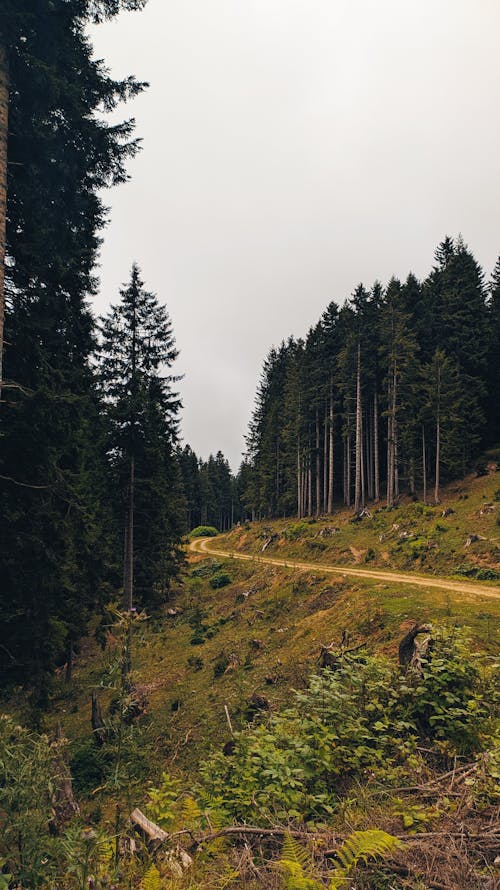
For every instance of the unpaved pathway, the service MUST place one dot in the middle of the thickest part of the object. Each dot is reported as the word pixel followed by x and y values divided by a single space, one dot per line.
pixel 201 545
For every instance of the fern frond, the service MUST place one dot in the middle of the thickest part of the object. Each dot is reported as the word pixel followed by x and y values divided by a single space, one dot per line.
pixel 190 813
pixel 152 879
pixel 361 846
pixel 293 863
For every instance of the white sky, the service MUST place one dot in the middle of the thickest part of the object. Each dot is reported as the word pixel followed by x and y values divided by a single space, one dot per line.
pixel 292 148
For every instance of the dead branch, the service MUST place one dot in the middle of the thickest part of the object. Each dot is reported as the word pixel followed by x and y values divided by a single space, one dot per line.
pixel 152 831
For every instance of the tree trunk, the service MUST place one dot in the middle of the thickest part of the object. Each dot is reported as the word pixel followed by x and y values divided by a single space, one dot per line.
pixel 128 591
pixel 348 470
pixel 376 463
pixel 359 438
pixel 325 464
pixel 299 483
pixel 309 485
pixel 438 437
pixel 330 453
pixel 424 465
pixel 4 131
pixel 438 458
pixel 318 468
pixel 369 452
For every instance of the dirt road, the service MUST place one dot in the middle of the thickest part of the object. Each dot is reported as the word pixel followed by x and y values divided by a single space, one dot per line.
pixel 207 546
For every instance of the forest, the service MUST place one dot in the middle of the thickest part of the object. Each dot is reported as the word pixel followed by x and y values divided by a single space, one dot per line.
pixel 139 671
pixel 392 393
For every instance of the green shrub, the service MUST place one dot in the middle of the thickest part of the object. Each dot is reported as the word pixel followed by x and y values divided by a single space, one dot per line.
pixel 368 716
pixel 206 568
pixel 220 579
pixel 297 530
pixel 204 531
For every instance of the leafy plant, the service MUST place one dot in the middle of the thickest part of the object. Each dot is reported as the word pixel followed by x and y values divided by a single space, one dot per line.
pixel 152 879
pixel 162 800
pixel 295 864
pixel 220 579
pixel 204 531
pixel 361 846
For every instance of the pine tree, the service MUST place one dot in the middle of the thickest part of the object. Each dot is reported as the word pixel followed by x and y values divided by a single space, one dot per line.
pixel 137 348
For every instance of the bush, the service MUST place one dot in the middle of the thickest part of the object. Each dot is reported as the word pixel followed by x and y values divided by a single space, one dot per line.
pixel 220 579
pixel 367 717
pixel 204 531
pixel 297 530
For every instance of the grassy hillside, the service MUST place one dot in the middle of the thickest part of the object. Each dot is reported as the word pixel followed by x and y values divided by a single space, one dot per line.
pixel 235 641
pixel 412 536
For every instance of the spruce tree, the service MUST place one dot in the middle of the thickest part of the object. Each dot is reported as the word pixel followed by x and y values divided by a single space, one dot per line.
pixel 136 353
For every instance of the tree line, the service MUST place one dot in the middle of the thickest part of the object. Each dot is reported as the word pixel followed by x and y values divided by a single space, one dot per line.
pixel 393 392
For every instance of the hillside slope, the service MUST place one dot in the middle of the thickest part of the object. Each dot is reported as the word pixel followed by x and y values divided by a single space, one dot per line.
pixel 234 642
pixel 458 537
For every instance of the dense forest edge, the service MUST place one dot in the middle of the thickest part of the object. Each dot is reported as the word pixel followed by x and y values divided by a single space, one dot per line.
pixel 171 719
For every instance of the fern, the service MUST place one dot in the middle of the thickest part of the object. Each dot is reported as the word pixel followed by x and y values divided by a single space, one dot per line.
pixel 152 879
pixel 190 813
pixel 294 864
pixel 359 847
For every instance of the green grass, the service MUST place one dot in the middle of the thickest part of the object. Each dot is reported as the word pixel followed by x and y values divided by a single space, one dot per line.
pixel 412 536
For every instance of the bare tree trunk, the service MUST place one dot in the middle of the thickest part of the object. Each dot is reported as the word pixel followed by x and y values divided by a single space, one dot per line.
pixel 376 463
pixel 389 444
pixel 359 438
pixel 396 443
pixel 369 452
pixel 438 438
pixel 318 468
pixel 438 458
pixel 424 465
pixel 130 539
pixel 125 563
pixel 4 131
pixel 309 483
pixel 277 481
pixel 325 464
pixel 348 470
pixel 330 452
pixel 299 483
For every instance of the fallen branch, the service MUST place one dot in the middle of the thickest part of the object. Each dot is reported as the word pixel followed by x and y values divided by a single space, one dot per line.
pixel 150 829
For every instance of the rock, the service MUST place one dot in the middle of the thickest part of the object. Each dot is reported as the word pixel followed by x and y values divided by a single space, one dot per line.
pixel 448 511
pixel 172 613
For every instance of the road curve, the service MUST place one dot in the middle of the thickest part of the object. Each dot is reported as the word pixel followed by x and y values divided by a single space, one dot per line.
pixel 201 545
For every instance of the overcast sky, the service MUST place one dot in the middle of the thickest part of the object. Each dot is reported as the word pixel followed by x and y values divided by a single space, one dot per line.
pixel 292 148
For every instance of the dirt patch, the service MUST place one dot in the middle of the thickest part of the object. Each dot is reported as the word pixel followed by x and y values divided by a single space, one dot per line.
pixel 359 555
